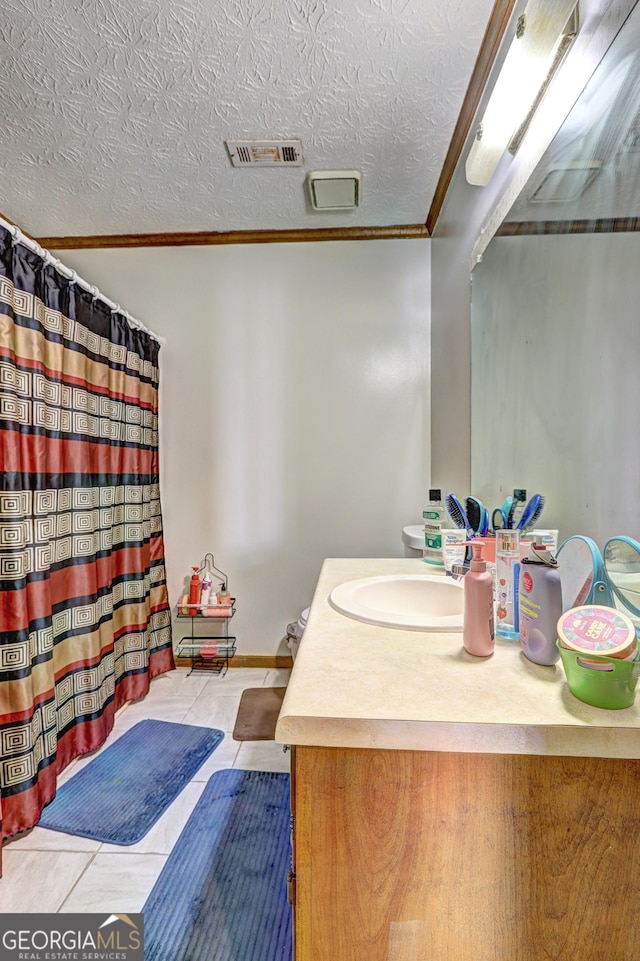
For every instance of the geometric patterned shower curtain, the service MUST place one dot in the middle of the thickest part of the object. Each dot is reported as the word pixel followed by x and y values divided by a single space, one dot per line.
pixel 84 614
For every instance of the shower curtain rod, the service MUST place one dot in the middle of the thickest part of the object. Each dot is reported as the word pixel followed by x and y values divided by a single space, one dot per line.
pixel 20 238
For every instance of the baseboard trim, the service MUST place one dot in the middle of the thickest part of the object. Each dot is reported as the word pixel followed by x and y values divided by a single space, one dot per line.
pixel 271 661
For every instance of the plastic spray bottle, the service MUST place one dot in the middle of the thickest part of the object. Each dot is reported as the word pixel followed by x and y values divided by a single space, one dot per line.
pixel 478 634
pixel 540 605
pixel 507 560
pixel 194 592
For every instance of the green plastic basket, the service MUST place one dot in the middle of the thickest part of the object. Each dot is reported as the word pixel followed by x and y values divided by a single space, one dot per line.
pixel 613 688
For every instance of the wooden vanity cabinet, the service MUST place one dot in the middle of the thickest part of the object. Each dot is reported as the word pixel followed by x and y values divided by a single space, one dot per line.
pixel 422 856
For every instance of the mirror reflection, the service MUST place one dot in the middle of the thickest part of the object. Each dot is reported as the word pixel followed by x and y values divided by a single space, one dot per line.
pixel 622 564
pixel 554 327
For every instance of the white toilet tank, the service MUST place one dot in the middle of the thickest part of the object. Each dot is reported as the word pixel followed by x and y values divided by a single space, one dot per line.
pixel 295 630
pixel 413 540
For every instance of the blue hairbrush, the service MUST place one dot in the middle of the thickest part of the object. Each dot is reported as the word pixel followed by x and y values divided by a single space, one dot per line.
pixel 475 514
pixel 531 513
pixel 458 515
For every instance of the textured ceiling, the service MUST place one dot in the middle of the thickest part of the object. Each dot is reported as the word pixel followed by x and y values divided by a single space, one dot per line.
pixel 115 112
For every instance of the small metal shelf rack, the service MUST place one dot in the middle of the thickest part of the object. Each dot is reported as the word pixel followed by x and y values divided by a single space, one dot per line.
pixel 208 652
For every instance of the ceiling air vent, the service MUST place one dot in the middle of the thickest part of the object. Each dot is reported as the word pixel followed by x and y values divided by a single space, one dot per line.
pixel 564 182
pixel 334 189
pixel 265 153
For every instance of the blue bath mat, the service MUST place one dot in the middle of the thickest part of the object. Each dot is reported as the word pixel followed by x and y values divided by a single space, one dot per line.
pixel 222 894
pixel 120 795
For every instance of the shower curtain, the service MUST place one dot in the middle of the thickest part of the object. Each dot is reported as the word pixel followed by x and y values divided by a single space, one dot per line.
pixel 84 616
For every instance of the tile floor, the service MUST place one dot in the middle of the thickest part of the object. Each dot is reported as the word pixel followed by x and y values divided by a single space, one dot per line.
pixel 86 876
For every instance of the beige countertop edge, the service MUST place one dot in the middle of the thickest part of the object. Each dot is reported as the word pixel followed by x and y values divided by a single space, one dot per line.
pixel 459 738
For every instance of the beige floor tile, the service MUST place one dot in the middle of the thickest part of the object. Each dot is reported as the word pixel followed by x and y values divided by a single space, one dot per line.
pixel 223 757
pixel 165 832
pixel 115 883
pixel 178 683
pixel 41 839
pixel 38 881
pixel 262 756
pixel 159 708
pixel 218 712
pixel 277 678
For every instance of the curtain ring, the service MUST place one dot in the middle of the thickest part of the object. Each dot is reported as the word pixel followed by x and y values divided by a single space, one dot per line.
pixel 95 293
pixel 47 258
pixel 73 279
pixel 116 309
pixel 16 236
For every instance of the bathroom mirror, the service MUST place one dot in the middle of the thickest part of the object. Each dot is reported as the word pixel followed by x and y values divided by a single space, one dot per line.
pixel 555 336
pixel 622 566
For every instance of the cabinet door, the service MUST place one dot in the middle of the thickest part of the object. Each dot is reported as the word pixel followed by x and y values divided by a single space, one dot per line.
pixel 420 856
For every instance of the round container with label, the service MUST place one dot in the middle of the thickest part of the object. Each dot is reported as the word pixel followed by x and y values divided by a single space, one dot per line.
pixel 598 646
pixel 602 631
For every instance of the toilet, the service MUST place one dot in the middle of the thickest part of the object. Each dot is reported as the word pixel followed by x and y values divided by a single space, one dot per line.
pixel 295 630
pixel 413 540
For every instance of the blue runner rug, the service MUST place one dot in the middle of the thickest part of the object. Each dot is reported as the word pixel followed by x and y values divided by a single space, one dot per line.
pixel 222 895
pixel 120 795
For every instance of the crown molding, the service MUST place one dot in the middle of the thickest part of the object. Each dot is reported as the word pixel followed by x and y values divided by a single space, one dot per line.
pixel 211 238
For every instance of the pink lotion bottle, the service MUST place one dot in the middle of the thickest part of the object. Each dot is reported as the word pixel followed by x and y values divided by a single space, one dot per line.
pixel 478 634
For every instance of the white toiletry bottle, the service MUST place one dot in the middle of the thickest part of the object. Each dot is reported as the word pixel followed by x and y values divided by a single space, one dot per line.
pixel 207 582
pixel 540 605
pixel 434 516
pixel 477 633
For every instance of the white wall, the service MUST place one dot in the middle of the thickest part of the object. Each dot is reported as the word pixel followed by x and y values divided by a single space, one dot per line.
pixel 556 342
pixel 294 407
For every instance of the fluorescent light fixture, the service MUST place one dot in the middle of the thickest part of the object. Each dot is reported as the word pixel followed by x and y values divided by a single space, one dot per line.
pixel 544 33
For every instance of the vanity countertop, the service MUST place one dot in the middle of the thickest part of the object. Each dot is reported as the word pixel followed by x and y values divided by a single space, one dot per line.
pixel 357 685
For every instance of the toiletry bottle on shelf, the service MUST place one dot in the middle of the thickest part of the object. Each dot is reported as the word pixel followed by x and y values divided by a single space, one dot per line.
pixel 205 595
pixel 507 559
pixel 195 589
pixel 477 634
pixel 434 516
pixel 223 596
pixel 540 605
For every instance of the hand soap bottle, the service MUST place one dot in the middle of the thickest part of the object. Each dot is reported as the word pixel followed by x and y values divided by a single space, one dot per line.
pixel 478 634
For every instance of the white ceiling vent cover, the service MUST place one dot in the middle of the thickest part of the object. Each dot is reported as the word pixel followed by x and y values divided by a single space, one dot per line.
pixel 334 189
pixel 265 153
pixel 564 182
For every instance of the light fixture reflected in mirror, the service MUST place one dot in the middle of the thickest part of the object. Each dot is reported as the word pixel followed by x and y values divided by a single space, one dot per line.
pixel 544 33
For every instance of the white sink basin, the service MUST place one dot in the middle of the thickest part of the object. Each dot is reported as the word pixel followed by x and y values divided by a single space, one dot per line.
pixel 411 602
